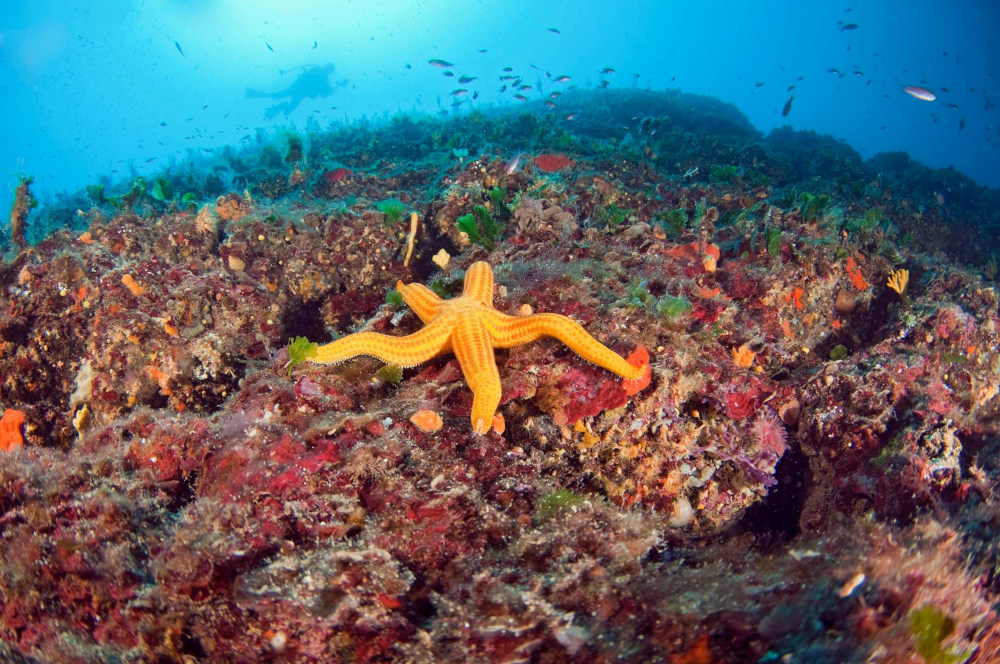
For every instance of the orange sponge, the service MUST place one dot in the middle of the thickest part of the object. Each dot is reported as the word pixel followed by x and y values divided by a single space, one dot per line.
pixel 10 429
pixel 638 358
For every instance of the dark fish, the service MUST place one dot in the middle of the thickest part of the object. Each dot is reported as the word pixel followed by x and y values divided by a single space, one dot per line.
pixel 440 64
pixel 449 73
pixel 204 107
pixel 408 65
pixel 954 106
pixel 788 106
pixel 790 88
pixel 482 50
pixel 151 159
pixel 520 98
pixel 475 95
pixel 467 79
pixel 759 84
pixel 269 47
pixel 961 124
pixel 524 86
pixel 315 44
pixel 458 92
pixel 607 70
pixel 849 26
pixel 554 30
pixel 179 49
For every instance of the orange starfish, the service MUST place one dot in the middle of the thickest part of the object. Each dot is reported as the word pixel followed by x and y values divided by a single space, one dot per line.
pixel 471 328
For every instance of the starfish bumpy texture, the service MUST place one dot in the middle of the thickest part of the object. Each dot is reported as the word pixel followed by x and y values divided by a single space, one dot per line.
pixel 471 328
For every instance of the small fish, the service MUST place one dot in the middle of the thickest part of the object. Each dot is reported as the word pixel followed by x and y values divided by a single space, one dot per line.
pixel 315 44
pixel 475 95
pixel 440 64
pixel 179 49
pixel 458 92
pixel 555 95
pixel 507 70
pixel 503 88
pixel 550 103
pixel 449 73
pixel 954 106
pixel 691 172
pixel 151 159
pixel 833 71
pixel 204 107
pixel 961 124
pixel 759 84
pixel 561 79
pixel 512 165
pixel 482 50
pixel 524 86
pixel 607 70
pixel 520 98
pixel 269 47
pixel 554 31
pixel 790 88
pixel 918 92
pixel 408 65
pixel 467 79
pixel 571 116
pixel 858 72
pixel 788 106
pixel 849 26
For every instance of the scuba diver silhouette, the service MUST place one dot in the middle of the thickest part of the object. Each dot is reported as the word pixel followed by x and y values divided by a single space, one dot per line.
pixel 313 82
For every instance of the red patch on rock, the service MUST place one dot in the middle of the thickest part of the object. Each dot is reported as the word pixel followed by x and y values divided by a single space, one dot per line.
pixel 638 358
pixel 337 174
pixel 551 163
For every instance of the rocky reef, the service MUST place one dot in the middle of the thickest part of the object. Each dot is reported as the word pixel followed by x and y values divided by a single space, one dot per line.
pixel 810 477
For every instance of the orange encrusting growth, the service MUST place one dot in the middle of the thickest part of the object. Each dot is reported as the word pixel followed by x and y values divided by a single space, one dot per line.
pixel 471 328
pixel 10 429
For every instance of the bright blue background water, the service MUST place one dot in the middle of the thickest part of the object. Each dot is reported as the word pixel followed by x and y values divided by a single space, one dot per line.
pixel 90 89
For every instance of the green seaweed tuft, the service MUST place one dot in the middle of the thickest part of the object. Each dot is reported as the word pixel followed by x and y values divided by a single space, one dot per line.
pixel 299 350
pixel 556 503
pixel 393 209
pixel 481 227
pixel 931 627
pixel 394 297
pixel 672 308
pixel 390 373
pixel 838 352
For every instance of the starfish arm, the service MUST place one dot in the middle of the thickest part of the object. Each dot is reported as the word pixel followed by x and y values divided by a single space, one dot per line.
pixel 510 331
pixel 424 302
pixel 408 351
pixel 479 282
pixel 472 347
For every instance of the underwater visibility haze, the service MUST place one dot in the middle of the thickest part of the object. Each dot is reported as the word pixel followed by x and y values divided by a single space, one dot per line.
pixel 499 332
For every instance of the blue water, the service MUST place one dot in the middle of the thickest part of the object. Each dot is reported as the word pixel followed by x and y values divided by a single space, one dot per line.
pixel 119 88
